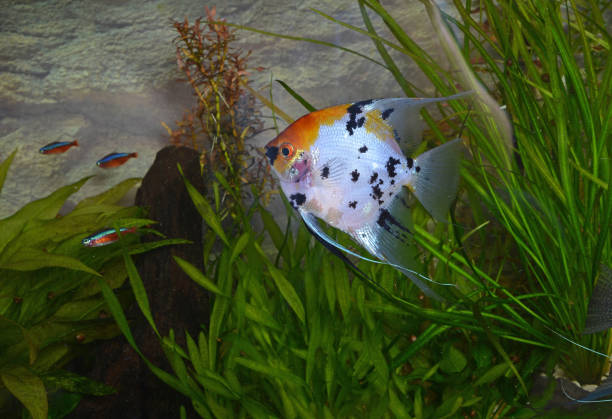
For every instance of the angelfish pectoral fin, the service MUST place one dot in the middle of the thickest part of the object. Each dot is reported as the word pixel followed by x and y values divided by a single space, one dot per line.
pixel 336 248
pixel 315 229
pixel 437 177
pixel 390 238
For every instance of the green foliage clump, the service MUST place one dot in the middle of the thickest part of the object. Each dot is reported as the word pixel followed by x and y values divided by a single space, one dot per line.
pixel 50 300
pixel 296 336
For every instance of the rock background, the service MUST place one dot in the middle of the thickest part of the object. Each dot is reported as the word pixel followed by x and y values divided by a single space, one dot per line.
pixel 105 74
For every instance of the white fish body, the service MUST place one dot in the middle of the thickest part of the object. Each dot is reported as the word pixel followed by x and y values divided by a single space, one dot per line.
pixel 344 166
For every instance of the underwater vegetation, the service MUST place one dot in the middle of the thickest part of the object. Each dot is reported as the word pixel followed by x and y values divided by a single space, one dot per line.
pixel 224 116
pixel 299 333
pixel 51 306
pixel 296 331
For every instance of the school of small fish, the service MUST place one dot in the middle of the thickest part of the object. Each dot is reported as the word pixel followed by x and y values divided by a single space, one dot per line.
pixel 106 162
pixel 107 236
pixel 344 165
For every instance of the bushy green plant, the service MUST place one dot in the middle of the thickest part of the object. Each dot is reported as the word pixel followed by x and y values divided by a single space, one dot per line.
pixel 50 301
pixel 296 335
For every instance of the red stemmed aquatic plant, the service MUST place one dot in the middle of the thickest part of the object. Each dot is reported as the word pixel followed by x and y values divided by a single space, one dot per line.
pixel 224 115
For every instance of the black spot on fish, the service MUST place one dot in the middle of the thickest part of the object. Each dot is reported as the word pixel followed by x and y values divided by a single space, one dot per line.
pixel 272 153
pixel 386 113
pixel 392 181
pixel 360 122
pixel 409 162
pixel 396 136
pixel 325 172
pixel 297 199
pixel 418 169
pixel 377 194
pixel 353 111
pixel 373 177
pixel 363 149
pixel 353 204
pixel 354 175
pixel 391 163
pixel 390 193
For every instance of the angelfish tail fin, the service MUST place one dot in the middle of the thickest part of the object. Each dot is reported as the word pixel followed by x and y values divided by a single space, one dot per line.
pixel 436 178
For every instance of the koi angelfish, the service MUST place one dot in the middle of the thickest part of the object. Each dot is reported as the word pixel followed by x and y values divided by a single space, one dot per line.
pixel 343 165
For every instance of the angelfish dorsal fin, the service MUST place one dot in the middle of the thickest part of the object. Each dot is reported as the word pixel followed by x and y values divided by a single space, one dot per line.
pixel 388 253
pixel 390 238
pixel 403 115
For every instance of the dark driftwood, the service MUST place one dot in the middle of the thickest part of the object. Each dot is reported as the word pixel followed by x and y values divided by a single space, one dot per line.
pixel 176 301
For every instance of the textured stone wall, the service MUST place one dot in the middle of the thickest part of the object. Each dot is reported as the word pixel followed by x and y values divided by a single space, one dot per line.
pixel 105 74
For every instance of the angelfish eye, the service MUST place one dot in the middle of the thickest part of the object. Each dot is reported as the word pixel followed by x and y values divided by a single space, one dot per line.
pixel 287 150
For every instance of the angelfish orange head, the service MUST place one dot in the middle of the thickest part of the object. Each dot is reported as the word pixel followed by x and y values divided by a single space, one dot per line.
pixel 289 162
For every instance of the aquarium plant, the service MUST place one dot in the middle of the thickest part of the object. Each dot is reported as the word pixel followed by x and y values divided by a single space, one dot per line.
pixel 51 307
pixel 298 332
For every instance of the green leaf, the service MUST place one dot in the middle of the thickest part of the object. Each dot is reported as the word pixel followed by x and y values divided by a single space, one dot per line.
pixel 452 360
pixel 204 208
pixel 28 259
pixel 272 228
pixel 271 371
pixel 261 316
pixel 492 374
pixel 111 196
pixel 297 97
pixel 288 292
pixel 197 275
pixel 41 209
pixel 62 403
pixel 48 207
pixel 4 166
pixel 240 245
pixel 194 354
pixel 28 389
pixel 448 407
pixel 139 291
pixel 482 355
pixel 76 383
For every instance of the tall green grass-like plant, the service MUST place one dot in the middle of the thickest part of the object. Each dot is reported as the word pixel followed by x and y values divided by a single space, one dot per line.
pixel 549 63
pixel 293 334
pixel 546 184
